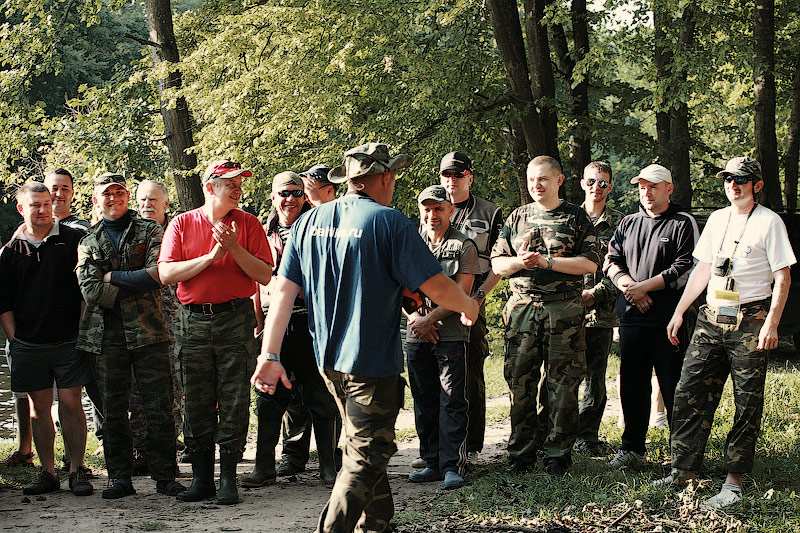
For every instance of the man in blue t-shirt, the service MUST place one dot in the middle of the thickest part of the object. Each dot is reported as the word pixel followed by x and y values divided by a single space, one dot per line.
pixel 352 258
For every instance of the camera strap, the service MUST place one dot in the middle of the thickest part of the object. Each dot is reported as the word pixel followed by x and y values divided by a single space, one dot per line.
pixel 728 312
pixel 741 234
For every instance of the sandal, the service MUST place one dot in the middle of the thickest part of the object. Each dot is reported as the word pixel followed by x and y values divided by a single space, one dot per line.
pixel 169 488
pixel 19 459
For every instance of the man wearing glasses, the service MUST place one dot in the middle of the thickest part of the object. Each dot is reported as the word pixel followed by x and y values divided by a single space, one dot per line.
pixel 481 221
pixel 216 254
pixel 649 260
pixel 599 296
pixel 744 258
pixel 288 201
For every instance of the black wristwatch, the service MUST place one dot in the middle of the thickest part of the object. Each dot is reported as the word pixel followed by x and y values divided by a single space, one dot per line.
pixel 480 294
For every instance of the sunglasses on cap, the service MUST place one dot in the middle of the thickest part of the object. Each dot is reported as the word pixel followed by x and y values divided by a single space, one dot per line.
pixel 297 193
pixel 227 165
pixel 738 180
pixel 603 184
pixel 453 174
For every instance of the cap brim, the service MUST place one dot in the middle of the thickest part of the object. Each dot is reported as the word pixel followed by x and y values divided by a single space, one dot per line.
pixel 454 166
pixel 102 188
pixel 723 173
pixel 651 179
pixel 232 174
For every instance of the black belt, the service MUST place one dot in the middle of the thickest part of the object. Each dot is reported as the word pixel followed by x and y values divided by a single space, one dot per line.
pixel 212 309
pixel 553 297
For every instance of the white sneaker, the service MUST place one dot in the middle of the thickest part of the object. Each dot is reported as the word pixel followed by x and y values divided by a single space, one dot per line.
pixel 474 458
pixel 729 494
pixel 627 459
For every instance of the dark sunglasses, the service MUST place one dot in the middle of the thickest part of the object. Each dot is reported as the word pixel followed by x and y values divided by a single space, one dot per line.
pixel 603 184
pixel 297 193
pixel 452 174
pixel 738 180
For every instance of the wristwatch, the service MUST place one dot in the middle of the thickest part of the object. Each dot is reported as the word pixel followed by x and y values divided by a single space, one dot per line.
pixel 550 261
pixel 480 294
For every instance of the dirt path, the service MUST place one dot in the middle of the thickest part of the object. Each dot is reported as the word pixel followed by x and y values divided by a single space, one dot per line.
pixel 289 506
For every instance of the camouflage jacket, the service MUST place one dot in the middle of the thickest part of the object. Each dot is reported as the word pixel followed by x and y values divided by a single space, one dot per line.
pixel 602 314
pixel 169 296
pixel 565 231
pixel 141 312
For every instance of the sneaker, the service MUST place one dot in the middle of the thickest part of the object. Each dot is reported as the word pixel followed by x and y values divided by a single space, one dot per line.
pixel 474 458
pixel 19 459
pixel 425 476
pixel 453 480
pixel 627 459
pixel 79 483
pixel 419 463
pixel 729 494
pixel 675 479
pixel 45 482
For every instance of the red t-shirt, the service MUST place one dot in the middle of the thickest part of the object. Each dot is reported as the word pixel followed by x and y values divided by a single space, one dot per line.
pixel 189 235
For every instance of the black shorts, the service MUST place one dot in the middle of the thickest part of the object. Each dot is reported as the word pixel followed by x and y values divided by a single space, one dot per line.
pixel 35 368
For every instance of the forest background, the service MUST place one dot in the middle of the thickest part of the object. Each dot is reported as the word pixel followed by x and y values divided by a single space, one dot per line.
pixel 156 89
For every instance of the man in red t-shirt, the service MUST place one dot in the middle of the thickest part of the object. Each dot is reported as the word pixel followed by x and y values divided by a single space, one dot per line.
pixel 216 254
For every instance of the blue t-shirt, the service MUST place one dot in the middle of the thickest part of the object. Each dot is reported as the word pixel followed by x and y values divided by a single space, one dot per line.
pixel 352 257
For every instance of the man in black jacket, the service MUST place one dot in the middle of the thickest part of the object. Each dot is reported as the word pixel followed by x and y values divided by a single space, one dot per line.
pixel 649 260
pixel 40 306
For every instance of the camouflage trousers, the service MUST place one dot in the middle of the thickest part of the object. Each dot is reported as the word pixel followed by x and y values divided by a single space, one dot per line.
pixel 136 408
pixel 361 499
pixel 549 333
pixel 476 386
pixel 593 400
pixel 716 351
pixel 215 355
pixel 151 365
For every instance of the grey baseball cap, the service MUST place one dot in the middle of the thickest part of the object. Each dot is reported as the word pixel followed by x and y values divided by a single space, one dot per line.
pixel 437 193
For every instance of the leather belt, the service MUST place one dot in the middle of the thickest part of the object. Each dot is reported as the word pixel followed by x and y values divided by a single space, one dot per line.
pixel 212 309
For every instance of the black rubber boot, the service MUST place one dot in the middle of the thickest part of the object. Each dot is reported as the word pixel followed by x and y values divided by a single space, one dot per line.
pixel 269 429
pixel 202 477
pixel 227 494
pixel 327 439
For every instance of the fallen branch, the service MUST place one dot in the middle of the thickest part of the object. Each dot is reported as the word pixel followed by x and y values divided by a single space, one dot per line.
pixel 620 518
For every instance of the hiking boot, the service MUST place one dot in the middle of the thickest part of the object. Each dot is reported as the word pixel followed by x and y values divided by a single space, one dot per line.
pixel 728 495
pixel 627 459
pixel 45 482
pixel 453 480
pixel 79 483
pixel 419 463
pixel 425 476
pixel 556 467
pixel 119 488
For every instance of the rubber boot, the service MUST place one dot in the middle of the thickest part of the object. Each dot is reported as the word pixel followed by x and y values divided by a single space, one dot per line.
pixel 202 477
pixel 227 494
pixel 327 439
pixel 269 429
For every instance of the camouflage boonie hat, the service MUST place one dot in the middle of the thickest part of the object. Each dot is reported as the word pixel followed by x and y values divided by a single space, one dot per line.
pixel 107 179
pixel 742 166
pixel 367 159
pixel 286 178
pixel 437 193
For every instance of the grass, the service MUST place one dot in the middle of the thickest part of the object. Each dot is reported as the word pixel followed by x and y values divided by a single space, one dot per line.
pixel 591 497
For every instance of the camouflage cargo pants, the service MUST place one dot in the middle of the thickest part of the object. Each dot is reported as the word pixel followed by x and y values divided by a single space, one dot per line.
pixel 716 351
pixel 551 333
pixel 215 355
pixel 151 364
pixel 593 401
pixel 361 499
pixel 136 408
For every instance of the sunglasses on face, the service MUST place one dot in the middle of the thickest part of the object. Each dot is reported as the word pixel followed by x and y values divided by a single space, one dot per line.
pixel 452 174
pixel 738 180
pixel 603 184
pixel 297 193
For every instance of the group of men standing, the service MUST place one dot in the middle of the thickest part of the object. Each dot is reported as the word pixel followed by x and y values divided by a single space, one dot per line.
pixel 71 302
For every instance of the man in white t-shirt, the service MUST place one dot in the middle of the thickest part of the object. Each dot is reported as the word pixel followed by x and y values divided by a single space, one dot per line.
pixel 744 257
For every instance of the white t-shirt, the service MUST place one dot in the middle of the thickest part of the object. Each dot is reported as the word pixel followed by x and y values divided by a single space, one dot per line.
pixel 763 249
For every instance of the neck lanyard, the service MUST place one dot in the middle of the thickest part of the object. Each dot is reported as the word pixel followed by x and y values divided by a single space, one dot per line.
pixel 736 242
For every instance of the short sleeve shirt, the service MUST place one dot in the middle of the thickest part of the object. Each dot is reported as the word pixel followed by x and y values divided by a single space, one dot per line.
pixel 189 236
pixel 763 248
pixel 353 257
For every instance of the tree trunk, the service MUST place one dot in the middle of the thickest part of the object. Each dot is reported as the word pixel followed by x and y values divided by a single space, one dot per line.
pixel 177 123
pixel 580 146
pixel 764 91
pixel 542 78
pixel 790 160
pixel 662 58
pixel 680 139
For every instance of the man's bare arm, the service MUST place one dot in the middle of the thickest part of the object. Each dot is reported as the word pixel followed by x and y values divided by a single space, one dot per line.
pixel 9 324
pixel 446 293
pixel 768 336
pixel 698 281
pixel 176 271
